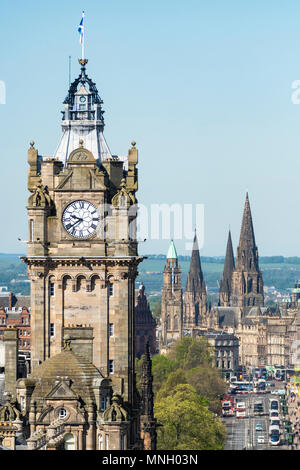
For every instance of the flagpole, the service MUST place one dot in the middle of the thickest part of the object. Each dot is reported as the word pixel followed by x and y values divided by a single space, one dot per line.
pixel 82 45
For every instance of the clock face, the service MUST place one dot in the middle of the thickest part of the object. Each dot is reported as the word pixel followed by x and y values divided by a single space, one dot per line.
pixel 80 219
pixel 82 99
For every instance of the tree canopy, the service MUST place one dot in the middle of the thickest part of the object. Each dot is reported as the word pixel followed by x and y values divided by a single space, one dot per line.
pixel 187 396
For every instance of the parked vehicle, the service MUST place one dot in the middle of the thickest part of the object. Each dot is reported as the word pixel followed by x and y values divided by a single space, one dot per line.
pixel 274 404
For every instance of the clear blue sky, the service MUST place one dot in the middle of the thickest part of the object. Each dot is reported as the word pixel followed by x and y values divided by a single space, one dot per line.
pixel 204 87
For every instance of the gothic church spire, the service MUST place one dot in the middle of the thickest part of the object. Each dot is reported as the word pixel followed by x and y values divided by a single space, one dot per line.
pixel 225 287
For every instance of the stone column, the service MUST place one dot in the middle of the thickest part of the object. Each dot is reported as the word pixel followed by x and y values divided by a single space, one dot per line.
pixel 10 339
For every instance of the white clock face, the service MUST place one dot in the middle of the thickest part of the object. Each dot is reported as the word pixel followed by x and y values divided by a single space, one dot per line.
pixel 80 219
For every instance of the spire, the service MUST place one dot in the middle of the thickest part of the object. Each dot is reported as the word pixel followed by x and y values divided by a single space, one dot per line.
pixel 247 255
pixel 146 383
pixel 195 281
pixel 247 232
pixel 82 118
pixel 148 422
pixel 225 287
pixel 172 253
pixel 247 281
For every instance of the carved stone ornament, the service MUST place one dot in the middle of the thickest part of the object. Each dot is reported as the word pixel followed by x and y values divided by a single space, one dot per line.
pixel 9 412
pixel 115 412
pixel 123 198
pixel 40 196
pixel 81 155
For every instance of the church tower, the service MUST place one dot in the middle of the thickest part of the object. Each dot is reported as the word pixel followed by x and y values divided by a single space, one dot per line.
pixel 247 281
pixel 171 300
pixel 82 249
pixel 195 298
pixel 225 286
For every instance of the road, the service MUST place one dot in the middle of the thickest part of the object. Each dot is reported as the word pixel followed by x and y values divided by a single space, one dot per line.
pixel 241 432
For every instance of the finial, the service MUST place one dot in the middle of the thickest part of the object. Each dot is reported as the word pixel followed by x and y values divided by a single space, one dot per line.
pixel 133 143
pixel 83 62
pixel 123 183
pixel 32 144
pixel 81 143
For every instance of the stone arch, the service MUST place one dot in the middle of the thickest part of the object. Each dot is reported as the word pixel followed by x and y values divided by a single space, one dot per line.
pixel 66 282
pixel 63 275
pixel 80 282
pixel 95 281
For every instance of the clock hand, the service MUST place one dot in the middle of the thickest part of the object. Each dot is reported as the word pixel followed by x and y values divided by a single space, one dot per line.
pixel 79 220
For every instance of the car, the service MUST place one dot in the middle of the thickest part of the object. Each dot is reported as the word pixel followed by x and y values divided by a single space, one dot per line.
pixel 274 392
pixel 260 439
pixel 274 414
pixel 259 427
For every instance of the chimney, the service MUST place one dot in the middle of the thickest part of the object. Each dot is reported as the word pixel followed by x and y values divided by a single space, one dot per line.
pixel 10 297
pixel 10 338
pixel 81 337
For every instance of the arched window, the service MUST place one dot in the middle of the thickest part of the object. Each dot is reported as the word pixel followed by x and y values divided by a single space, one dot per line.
pixel 80 283
pixel 95 281
pixel 69 442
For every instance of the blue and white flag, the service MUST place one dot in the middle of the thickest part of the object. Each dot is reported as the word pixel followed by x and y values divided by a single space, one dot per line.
pixel 81 29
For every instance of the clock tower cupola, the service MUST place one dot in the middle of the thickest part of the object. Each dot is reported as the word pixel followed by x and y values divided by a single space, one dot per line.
pixel 82 118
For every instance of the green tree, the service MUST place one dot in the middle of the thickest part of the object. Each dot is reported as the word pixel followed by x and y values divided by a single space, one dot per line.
pixel 192 352
pixel 162 366
pixel 174 378
pixel 209 383
pixel 187 424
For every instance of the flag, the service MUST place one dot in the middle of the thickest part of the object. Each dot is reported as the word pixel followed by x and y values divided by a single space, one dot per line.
pixel 81 29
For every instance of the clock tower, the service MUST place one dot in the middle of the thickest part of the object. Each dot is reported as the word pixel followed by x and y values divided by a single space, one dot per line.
pixel 82 250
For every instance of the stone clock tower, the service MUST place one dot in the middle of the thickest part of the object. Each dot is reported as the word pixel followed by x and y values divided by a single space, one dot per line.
pixel 82 249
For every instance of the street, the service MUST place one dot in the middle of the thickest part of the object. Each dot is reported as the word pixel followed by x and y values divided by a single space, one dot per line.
pixel 242 433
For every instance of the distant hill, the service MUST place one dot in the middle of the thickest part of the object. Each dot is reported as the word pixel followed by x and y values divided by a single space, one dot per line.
pixel 278 271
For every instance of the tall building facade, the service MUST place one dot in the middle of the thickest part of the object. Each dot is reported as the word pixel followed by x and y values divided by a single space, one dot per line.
pixel 82 264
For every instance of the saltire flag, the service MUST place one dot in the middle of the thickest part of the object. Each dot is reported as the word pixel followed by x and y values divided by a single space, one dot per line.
pixel 81 29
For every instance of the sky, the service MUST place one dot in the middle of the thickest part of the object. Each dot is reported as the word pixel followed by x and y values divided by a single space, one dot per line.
pixel 203 87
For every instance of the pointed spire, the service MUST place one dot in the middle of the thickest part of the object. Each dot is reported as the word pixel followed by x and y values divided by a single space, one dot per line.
pixel 195 279
pixel 247 232
pixel 247 256
pixel 172 253
pixel 225 287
